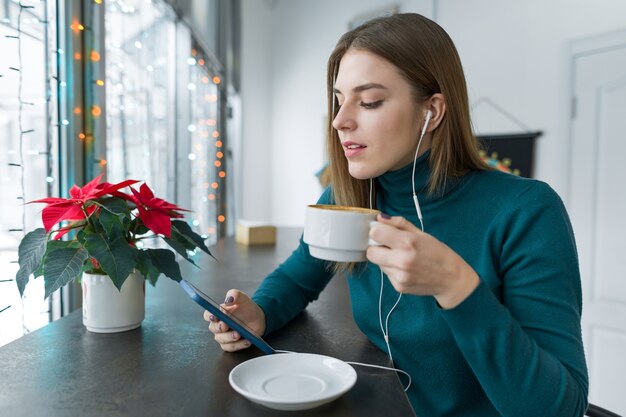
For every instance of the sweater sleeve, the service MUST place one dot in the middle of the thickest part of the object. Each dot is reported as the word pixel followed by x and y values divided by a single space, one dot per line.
pixel 294 284
pixel 526 350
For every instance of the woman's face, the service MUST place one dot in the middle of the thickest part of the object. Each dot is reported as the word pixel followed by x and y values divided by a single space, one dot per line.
pixel 378 121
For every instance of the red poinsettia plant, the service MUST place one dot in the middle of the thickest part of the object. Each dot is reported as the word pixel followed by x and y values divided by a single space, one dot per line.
pixel 108 227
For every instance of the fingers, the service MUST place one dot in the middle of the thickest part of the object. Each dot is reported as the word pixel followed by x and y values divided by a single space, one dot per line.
pixel 229 340
pixel 396 232
pixel 232 297
pixel 218 326
pixel 398 222
pixel 233 347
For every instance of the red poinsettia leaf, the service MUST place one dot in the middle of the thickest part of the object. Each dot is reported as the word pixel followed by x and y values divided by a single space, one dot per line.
pixel 76 192
pixel 156 221
pixel 107 188
pixel 146 192
pixel 54 213
pixel 50 200
pixel 163 205
pixel 123 195
pixel 90 188
pixel 136 198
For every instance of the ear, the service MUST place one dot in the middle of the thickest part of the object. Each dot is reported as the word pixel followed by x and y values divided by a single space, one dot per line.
pixel 437 105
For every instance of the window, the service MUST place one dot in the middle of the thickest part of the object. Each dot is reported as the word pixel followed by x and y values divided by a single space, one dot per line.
pixel 140 50
pixel 29 151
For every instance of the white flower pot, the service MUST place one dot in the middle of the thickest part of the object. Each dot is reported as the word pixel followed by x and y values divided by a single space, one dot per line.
pixel 107 310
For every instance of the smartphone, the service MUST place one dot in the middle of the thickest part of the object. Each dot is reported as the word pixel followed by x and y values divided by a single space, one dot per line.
pixel 233 322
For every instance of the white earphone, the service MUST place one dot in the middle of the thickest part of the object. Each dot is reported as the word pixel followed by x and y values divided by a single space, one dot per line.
pixel 418 210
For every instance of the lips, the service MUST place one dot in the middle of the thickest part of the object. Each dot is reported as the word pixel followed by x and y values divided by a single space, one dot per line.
pixel 352 148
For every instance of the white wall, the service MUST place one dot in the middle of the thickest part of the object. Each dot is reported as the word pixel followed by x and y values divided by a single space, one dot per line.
pixel 513 52
pixel 254 174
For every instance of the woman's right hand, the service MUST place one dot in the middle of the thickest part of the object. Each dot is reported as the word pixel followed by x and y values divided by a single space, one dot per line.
pixel 241 305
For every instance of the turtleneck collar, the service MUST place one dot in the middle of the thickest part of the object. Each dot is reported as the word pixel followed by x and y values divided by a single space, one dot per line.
pixel 396 189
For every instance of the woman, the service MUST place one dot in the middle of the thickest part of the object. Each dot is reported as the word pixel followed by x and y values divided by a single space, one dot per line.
pixel 481 271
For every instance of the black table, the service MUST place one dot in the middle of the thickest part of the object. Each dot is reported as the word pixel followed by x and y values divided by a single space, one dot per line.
pixel 171 365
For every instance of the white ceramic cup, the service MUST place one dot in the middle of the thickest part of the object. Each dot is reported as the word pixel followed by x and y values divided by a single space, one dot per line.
pixel 338 233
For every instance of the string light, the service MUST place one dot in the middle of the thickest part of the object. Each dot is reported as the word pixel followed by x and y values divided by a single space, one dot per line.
pixel 96 111
pixel 76 27
pixel 22 131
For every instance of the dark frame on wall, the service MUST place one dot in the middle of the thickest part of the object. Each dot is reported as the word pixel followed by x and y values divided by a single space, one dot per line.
pixel 515 151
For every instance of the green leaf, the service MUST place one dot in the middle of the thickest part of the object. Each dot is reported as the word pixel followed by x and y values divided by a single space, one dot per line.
pixel 145 266
pixel 115 205
pixel 30 254
pixel 112 224
pixel 184 229
pixel 180 245
pixel 165 261
pixel 138 227
pixel 63 264
pixel 117 258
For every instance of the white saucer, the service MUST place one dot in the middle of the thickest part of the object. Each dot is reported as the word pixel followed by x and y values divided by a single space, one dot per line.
pixel 292 381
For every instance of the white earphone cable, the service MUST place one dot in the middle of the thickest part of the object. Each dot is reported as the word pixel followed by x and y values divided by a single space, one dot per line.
pixel 418 210
pixel 369 365
pixel 385 329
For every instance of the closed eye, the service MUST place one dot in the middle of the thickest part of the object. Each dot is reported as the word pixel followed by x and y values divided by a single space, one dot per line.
pixel 371 105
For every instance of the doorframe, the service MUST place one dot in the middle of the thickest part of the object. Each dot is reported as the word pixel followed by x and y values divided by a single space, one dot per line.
pixel 579 48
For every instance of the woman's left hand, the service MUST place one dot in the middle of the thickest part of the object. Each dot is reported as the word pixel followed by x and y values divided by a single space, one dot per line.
pixel 417 263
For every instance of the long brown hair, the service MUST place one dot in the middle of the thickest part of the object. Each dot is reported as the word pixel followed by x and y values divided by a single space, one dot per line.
pixel 427 58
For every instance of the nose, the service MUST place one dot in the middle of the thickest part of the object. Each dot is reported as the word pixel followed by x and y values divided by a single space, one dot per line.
pixel 344 121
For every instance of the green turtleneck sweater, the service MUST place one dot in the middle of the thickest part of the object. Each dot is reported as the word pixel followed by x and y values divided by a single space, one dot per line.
pixel 513 347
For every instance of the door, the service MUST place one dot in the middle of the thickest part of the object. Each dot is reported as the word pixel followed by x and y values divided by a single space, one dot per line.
pixel 597 205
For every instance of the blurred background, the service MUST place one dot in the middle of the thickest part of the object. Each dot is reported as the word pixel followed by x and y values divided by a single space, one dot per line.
pixel 220 106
